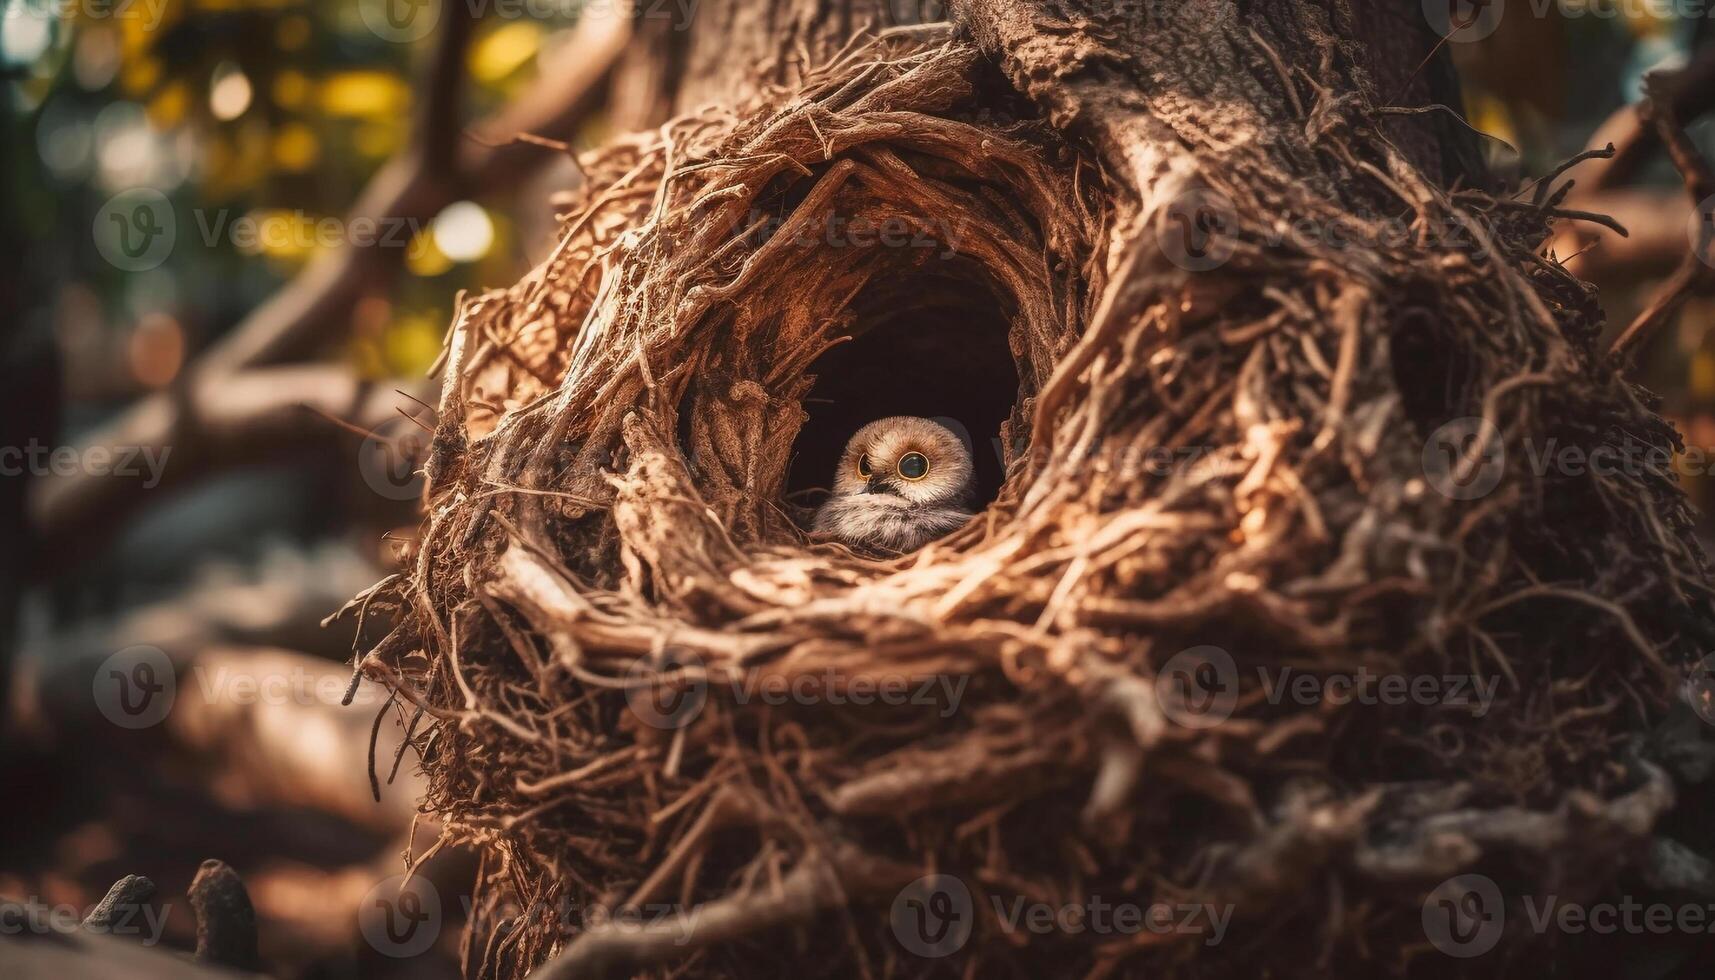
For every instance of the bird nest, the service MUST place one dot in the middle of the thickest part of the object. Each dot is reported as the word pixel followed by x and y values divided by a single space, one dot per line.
pixel 638 683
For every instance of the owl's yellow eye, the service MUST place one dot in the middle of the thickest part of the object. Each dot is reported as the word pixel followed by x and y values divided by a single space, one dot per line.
pixel 914 466
pixel 864 469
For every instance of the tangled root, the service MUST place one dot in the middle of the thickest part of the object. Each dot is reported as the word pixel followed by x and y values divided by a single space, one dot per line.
pixel 1226 465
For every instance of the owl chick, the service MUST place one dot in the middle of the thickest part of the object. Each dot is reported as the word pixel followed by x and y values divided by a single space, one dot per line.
pixel 902 482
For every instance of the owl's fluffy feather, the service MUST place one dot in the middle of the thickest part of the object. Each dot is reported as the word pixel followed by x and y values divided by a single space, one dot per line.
pixel 886 511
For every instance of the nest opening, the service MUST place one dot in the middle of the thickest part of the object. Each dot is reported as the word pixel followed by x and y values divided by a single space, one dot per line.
pixel 930 344
pixel 1432 371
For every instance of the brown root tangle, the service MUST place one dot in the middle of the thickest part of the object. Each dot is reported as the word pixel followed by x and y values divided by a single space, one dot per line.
pixel 612 582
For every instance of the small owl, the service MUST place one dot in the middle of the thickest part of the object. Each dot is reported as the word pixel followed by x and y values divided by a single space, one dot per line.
pixel 902 482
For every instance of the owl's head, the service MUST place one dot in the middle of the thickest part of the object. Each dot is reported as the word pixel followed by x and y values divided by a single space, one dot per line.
pixel 903 457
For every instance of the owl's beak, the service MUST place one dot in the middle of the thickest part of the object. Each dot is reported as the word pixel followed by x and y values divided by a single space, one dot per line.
pixel 877 484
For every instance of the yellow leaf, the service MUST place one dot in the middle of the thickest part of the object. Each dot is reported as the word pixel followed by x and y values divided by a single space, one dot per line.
pixel 168 107
pixel 296 147
pixel 135 35
pixel 1490 115
pixel 278 234
pixel 1702 380
pixel 378 138
pixel 424 258
pixel 363 94
pixel 504 50
pixel 412 344
pixel 290 89
pixel 139 75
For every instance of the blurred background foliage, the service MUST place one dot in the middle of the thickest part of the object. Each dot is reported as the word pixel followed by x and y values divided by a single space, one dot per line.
pixel 261 121
pixel 277 111
pixel 1540 87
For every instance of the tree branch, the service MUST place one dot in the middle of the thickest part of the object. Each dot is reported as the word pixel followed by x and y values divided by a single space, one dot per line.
pixel 72 513
pixel 1695 273
pixel 214 422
